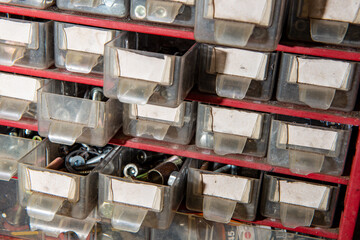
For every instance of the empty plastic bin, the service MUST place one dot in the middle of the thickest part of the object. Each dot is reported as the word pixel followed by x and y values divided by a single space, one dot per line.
pixel 318 82
pixel 175 125
pixel 236 73
pixel 250 24
pixel 232 131
pixel 308 146
pixel 149 69
pixel 26 43
pixel 69 113
pixel 80 48
pixel 176 12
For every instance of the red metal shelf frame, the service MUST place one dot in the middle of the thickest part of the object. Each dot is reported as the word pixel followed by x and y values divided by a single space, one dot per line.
pixel 352 199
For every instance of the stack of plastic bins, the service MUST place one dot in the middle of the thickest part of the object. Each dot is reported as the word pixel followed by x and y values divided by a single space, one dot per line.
pixel 222 196
pixel 318 82
pixel 217 130
pixel 115 8
pixel 26 43
pixel 66 117
pixel 308 146
pixel 331 22
pixel 131 204
pixel 15 102
pixel 175 12
pixel 57 201
pixel 236 73
pixel 80 48
pixel 299 203
pixel 250 24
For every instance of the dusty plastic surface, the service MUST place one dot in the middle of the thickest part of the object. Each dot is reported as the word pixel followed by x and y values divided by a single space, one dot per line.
pixel 80 48
pixel 180 13
pixel 251 137
pixel 217 208
pixel 115 8
pixel 26 43
pixel 312 21
pixel 316 91
pixel 287 150
pixel 166 74
pixel 253 25
pixel 41 4
pixel 225 81
pixel 75 196
pixel 69 118
pixel 180 128
pixel 294 215
pixel 155 208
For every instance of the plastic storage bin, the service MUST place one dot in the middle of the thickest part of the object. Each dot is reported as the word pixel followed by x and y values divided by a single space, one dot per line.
pixel 331 22
pixel 107 232
pixel 80 48
pixel 250 24
pixel 298 203
pixel 236 73
pixel 306 146
pixel 16 102
pixel 65 116
pixel 149 69
pixel 223 195
pixel 318 82
pixel 175 125
pixel 26 43
pixel 176 12
pixel 131 203
pixel 42 4
pixel 232 131
pixel 51 193
pixel 115 8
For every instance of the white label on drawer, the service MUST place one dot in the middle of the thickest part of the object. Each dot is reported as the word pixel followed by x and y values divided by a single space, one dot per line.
pixel 9 87
pixel 246 124
pixel 337 10
pixel 15 31
pixel 51 183
pixel 321 72
pixel 158 112
pixel 241 63
pixel 311 137
pixel 304 194
pixel 186 2
pixel 229 187
pixel 138 66
pixel 142 195
pixel 250 11
pixel 85 39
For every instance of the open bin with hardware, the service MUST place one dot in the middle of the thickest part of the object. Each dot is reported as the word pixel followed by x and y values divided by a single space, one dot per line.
pixel 237 73
pixel 175 125
pixel 80 48
pixel 250 24
pixel 146 190
pixel 70 112
pixel 175 12
pixel 166 74
pixel 26 43
pixel 223 192
pixel 58 184
pixel 232 131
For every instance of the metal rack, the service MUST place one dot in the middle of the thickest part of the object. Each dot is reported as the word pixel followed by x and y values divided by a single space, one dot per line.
pixel 352 182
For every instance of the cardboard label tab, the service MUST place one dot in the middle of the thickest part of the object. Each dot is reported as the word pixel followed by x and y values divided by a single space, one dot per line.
pixel 85 39
pixel 51 183
pixel 158 112
pixel 9 87
pixel 15 31
pixel 229 187
pixel 247 124
pixel 239 62
pixel 304 194
pixel 344 10
pixel 142 195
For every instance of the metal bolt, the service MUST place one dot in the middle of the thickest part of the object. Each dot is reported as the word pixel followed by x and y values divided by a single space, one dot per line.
pixel 131 170
pixel 97 94
pixel 173 176
pixel 140 11
pixel 76 160
pixel 223 169
pixel 98 158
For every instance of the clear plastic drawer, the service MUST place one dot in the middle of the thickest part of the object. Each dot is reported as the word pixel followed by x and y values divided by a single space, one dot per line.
pixel 41 4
